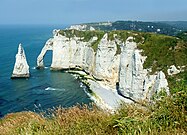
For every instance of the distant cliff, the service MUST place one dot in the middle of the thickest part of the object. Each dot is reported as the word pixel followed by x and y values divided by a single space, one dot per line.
pixel 140 63
pixel 167 28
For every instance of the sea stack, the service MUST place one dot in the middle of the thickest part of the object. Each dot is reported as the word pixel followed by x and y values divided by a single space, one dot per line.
pixel 21 68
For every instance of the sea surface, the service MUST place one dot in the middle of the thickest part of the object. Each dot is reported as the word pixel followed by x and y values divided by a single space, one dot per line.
pixel 44 89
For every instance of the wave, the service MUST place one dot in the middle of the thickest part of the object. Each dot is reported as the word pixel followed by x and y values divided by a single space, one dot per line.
pixel 33 68
pixel 81 84
pixel 54 89
pixel 44 67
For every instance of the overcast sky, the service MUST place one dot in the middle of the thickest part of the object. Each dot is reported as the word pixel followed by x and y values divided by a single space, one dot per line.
pixel 80 11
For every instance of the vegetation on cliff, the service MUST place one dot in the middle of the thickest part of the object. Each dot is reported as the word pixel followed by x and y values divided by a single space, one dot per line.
pixel 84 35
pixel 182 35
pixel 163 51
pixel 165 116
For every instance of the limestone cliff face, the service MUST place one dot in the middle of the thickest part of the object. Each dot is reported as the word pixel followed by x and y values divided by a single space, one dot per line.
pixel 132 74
pixel 88 63
pixel 135 81
pixel 21 68
pixel 105 64
pixel 48 46
pixel 68 53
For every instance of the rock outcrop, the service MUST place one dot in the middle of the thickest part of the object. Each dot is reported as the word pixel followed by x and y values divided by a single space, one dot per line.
pixel 131 72
pixel 104 64
pixel 68 53
pixel 48 46
pixel 173 70
pixel 135 81
pixel 21 68
pixel 107 62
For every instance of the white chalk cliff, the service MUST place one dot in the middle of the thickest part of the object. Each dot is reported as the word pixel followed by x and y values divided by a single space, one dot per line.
pixel 21 68
pixel 68 53
pixel 105 64
pixel 106 61
pixel 81 27
pixel 135 81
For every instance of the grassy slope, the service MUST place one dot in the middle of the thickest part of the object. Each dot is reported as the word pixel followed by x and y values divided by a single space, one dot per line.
pixel 167 116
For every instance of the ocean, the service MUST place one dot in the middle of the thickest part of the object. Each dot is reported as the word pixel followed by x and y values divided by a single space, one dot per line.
pixel 45 89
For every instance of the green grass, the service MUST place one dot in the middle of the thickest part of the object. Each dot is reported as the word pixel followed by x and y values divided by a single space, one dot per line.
pixel 182 35
pixel 96 43
pixel 164 116
pixel 163 51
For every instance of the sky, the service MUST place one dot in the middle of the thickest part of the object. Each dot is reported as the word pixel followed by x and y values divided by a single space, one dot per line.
pixel 82 11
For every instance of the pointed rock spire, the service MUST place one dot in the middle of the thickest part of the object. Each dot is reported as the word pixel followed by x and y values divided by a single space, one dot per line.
pixel 21 68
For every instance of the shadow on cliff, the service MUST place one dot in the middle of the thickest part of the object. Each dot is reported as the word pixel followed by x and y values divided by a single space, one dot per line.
pixel 120 93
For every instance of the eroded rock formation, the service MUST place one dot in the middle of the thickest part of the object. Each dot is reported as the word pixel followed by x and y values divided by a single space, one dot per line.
pixel 107 62
pixel 68 53
pixel 125 68
pixel 48 46
pixel 21 68
pixel 135 81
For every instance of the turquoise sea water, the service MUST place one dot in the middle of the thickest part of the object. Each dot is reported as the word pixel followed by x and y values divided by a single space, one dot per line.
pixel 44 89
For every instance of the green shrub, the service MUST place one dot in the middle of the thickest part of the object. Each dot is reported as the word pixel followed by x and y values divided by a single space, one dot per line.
pixel 168 115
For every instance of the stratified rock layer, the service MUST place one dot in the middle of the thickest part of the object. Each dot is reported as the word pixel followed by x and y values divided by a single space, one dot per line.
pixel 21 68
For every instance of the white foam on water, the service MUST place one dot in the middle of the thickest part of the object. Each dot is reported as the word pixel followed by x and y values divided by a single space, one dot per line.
pixel 53 89
pixel 33 68
pixel 81 84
